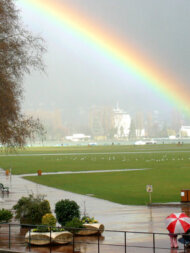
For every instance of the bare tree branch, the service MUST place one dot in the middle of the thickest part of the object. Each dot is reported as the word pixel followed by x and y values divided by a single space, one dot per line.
pixel 20 52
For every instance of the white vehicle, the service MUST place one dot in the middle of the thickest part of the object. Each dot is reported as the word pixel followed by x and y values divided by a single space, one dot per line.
pixel 151 142
pixel 140 143
pixel 172 137
pixel 92 144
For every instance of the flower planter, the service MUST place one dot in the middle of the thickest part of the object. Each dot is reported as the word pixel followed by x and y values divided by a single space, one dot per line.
pixel 91 229
pixel 62 237
pixel 43 238
pixel 39 172
pixel 7 172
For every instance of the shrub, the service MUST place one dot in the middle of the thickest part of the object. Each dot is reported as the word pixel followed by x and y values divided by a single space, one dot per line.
pixel 5 215
pixel 74 225
pixel 87 219
pixel 57 229
pixel 66 210
pixel 41 229
pixel 49 220
pixel 30 210
pixel 47 229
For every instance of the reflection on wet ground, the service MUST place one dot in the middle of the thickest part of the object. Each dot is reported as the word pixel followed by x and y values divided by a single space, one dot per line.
pixel 82 244
pixel 113 216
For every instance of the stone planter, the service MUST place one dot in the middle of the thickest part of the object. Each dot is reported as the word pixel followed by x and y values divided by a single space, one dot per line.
pixel 92 229
pixel 62 237
pixel 43 238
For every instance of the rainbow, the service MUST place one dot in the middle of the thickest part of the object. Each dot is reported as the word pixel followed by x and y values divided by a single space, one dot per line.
pixel 125 56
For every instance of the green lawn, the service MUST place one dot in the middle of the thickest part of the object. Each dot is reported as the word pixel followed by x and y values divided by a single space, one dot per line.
pixel 124 187
pixel 97 158
pixel 169 170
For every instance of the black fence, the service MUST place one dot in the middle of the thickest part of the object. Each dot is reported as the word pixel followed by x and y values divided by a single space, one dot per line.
pixel 20 238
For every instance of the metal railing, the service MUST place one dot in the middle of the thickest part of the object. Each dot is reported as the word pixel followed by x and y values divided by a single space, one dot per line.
pixel 12 236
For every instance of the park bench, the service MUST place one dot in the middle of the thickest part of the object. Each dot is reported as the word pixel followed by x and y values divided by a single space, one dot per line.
pixel 4 188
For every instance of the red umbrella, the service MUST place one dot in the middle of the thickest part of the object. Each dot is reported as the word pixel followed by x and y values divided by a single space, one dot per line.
pixel 177 223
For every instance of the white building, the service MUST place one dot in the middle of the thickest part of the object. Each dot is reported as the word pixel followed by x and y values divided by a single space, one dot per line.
pixel 78 137
pixel 122 123
pixel 184 131
pixel 140 132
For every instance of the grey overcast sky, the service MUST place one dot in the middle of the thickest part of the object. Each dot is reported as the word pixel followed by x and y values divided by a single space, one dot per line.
pixel 78 76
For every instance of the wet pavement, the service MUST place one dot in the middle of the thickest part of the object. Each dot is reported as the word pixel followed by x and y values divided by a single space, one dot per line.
pixel 114 216
pixel 82 172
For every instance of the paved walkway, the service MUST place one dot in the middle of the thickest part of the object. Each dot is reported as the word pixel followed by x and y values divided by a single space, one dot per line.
pixel 81 172
pixel 114 216
pixel 99 153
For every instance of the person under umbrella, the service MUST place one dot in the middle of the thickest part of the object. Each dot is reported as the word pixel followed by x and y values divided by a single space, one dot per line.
pixel 177 223
pixel 185 239
pixel 173 241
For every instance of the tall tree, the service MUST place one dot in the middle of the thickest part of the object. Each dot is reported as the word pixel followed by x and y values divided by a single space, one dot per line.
pixel 19 52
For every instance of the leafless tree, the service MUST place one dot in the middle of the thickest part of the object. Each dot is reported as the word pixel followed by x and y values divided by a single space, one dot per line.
pixel 20 52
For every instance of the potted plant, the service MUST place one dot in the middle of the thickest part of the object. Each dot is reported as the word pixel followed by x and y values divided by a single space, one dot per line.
pixel 5 215
pixel 75 225
pixel 48 233
pixel 84 226
pixel 30 210
pixel 66 210
pixel 92 226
